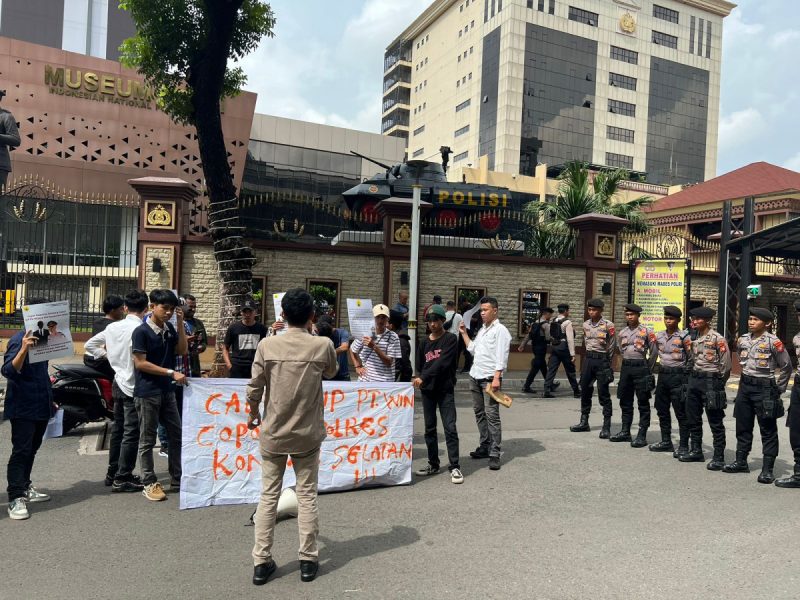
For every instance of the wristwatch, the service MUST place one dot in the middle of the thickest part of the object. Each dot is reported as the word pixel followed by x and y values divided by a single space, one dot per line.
pixel 170 373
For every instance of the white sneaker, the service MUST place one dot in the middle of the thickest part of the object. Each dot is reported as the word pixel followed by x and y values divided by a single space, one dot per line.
pixel 18 510
pixel 456 476
pixel 154 492
pixel 36 496
pixel 163 453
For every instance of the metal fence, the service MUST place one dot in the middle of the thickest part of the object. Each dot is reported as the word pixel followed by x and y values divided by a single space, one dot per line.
pixel 55 247
pixel 670 243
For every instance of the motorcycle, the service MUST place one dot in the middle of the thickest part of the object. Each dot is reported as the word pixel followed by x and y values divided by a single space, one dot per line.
pixel 84 393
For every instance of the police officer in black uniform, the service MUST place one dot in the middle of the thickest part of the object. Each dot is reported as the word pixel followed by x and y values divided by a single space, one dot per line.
pixel 538 338
pixel 793 418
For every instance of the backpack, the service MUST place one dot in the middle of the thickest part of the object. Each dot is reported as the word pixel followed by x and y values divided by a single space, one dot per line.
pixel 556 332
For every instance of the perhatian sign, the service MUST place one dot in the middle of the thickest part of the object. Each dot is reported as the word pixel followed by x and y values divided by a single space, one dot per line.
pixel 656 284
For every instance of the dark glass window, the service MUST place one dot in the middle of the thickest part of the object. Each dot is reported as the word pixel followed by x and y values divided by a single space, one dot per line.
pixel 551 9
pixel 463 105
pixel 541 6
pixel 666 14
pixel 619 134
pixel 625 55
pixel 461 131
pixel 530 3
pixel 419 130
pixel 619 160
pixel 623 81
pixel 691 35
pixel 700 37
pixel 664 39
pixel 583 16
pixel 708 39
pixel 621 108
pixel 460 156
pixel 418 152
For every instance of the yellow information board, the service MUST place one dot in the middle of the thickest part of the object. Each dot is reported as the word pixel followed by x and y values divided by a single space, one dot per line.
pixel 656 284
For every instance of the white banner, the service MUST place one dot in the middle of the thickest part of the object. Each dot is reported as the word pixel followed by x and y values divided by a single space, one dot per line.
pixel 370 430
pixel 50 326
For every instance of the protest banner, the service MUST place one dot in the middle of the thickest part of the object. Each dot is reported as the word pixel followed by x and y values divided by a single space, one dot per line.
pixel 276 304
pixel 369 440
pixel 359 314
pixel 50 326
pixel 656 284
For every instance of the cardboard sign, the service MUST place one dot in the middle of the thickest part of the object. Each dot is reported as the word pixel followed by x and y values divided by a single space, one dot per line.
pixel 370 439
pixel 50 326
pixel 359 314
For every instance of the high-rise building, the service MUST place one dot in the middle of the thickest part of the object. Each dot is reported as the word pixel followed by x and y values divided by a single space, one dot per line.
pixel 621 83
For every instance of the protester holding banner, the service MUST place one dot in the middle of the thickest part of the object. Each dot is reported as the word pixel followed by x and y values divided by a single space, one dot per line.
pixel 241 340
pixel 287 375
pixel 490 353
pixel 436 380
pixel 155 345
pixel 374 356
pixel 28 405
pixel 114 345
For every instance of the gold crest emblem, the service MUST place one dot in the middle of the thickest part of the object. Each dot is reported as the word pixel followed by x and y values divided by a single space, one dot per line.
pixel 159 217
pixel 402 235
pixel 627 23
pixel 605 246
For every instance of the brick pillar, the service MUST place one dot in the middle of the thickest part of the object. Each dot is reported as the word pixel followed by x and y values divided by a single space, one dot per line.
pixel 163 208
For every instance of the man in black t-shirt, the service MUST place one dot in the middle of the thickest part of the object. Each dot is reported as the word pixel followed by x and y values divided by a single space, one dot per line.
pixel 241 341
pixel 436 380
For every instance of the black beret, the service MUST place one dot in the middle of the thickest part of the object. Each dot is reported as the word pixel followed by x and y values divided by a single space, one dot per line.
pixel 672 311
pixel 797 305
pixel 633 308
pixel 595 303
pixel 547 309
pixel 563 307
pixel 702 312
pixel 762 313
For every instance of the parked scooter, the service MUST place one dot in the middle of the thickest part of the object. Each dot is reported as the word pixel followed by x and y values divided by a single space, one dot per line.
pixel 84 393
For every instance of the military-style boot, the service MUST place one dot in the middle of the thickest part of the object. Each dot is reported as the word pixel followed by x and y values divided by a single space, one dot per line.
pixel 624 434
pixel 683 443
pixel 766 475
pixel 665 445
pixel 695 453
pixel 582 426
pixel 793 481
pixel 605 430
pixel 739 465
pixel 641 438
pixel 718 461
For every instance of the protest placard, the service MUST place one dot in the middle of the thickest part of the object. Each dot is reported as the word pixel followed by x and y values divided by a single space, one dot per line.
pixel 359 314
pixel 50 326
pixel 276 304
pixel 369 442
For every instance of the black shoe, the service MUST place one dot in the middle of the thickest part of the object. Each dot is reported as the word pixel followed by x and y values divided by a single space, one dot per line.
pixel 766 475
pixel 126 486
pixel 641 438
pixel 793 481
pixel 665 445
pixel 109 480
pixel 717 463
pixel 624 434
pixel 262 572
pixel 555 385
pixel 737 466
pixel 582 426
pixel 494 463
pixel 479 452
pixel 527 390
pixel 308 570
pixel 576 393
pixel 548 395
pixel 680 451
pixel 695 454
pixel 605 430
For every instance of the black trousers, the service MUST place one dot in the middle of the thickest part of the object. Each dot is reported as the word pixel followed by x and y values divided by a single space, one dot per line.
pixel 560 356
pixel 695 403
pixel 629 376
pixel 240 372
pixel 445 402
pixel 669 392
pixel 793 420
pixel 26 438
pixel 747 409
pixel 538 365
pixel 588 376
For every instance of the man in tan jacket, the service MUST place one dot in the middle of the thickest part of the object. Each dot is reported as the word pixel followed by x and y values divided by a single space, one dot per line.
pixel 287 375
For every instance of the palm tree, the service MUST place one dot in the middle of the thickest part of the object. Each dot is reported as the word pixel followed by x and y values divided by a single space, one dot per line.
pixel 577 195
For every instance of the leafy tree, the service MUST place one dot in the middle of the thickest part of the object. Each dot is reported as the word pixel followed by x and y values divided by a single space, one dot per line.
pixel 183 49
pixel 578 195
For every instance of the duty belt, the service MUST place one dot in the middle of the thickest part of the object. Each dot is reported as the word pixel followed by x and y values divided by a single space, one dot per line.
pixel 704 375
pixel 602 355
pixel 634 362
pixel 667 370
pixel 759 381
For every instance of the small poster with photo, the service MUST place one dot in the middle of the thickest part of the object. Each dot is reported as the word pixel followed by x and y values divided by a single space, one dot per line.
pixel 49 324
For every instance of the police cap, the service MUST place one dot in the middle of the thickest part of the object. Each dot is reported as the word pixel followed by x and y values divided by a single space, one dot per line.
pixel 672 311
pixel 702 312
pixel 763 314
pixel 596 303
pixel 633 308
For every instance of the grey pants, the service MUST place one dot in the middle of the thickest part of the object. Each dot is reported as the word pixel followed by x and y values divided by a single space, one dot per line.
pixel 124 436
pixel 487 417
pixel 151 410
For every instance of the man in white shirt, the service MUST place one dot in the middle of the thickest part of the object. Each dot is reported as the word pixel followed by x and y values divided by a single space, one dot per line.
pixel 114 343
pixel 490 351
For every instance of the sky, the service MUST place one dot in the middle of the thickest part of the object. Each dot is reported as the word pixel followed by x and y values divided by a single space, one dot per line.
pixel 325 65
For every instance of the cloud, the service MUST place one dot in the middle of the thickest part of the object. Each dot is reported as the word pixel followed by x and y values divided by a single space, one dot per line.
pixel 783 38
pixel 740 127
pixel 793 163
pixel 735 28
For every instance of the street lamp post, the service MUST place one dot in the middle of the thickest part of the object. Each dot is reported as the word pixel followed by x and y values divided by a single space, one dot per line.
pixel 413 283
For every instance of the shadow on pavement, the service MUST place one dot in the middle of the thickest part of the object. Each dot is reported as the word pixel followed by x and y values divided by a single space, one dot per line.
pixel 76 493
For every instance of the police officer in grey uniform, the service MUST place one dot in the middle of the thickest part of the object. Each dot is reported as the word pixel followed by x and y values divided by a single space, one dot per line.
pixel 711 369
pixel 637 346
pixel 674 350
pixel 562 353
pixel 761 353
pixel 598 340
pixel 9 138
pixel 793 418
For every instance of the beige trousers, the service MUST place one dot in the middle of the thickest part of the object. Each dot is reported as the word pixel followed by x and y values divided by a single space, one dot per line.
pixel 306 467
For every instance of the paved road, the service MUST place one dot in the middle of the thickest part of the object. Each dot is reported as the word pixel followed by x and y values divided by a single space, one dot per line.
pixel 568 516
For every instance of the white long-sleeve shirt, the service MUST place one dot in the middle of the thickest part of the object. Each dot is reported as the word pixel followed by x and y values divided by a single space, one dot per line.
pixel 490 350
pixel 114 343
